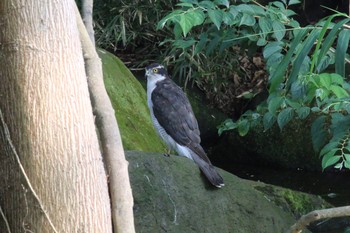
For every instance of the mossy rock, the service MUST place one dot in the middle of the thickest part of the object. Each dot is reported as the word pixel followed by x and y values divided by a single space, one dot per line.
pixel 171 195
pixel 129 102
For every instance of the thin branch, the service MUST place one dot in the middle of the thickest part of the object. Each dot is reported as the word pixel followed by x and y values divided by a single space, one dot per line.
pixel 117 166
pixel 86 11
pixel 315 215
pixel 8 138
pixel 5 220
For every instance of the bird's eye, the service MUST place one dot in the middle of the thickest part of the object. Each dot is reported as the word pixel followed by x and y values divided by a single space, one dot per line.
pixel 155 70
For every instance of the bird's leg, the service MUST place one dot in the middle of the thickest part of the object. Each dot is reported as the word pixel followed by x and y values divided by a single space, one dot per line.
pixel 167 153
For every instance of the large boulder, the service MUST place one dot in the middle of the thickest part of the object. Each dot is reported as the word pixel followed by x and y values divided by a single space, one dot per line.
pixel 129 102
pixel 171 195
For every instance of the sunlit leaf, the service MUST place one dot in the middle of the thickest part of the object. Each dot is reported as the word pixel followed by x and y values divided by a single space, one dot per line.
pixel 216 17
pixel 339 91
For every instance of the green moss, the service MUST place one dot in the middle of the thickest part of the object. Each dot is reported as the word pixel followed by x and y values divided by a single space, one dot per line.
pixel 129 102
pixel 300 203
pixel 296 202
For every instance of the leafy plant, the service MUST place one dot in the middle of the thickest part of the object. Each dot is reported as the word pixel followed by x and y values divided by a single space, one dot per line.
pixel 205 32
pixel 121 25
pixel 298 87
pixel 305 65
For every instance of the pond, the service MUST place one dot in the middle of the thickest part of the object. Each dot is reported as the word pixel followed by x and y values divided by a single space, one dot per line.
pixel 334 187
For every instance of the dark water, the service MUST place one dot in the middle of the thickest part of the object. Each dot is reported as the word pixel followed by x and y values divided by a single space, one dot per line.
pixel 334 187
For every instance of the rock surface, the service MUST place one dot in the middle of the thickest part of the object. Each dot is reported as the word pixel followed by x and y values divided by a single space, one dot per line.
pixel 129 102
pixel 171 195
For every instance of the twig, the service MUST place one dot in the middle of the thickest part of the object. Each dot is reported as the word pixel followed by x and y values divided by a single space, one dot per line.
pixel 5 220
pixel 315 215
pixel 8 138
pixel 117 166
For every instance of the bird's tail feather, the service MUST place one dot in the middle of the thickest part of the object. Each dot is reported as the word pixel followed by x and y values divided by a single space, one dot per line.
pixel 209 171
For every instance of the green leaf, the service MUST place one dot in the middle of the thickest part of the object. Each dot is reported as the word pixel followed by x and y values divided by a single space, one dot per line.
pixel 247 20
pixel 328 41
pixel 339 165
pixel 277 76
pixel 213 44
pixel 183 44
pixel 279 5
pixel 198 17
pixel 336 78
pixel 325 80
pixel 347 164
pixel 293 2
pixel 261 42
pixel 206 4
pixel 243 127
pixel 319 41
pixel 347 157
pixel 306 47
pixel 228 124
pixel 329 161
pixel 222 3
pixel 268 120
pixel 272 48
pixel 279 30
pixel 330 146
pixel 228 18
pixel 292 103
pixel 274 104
pixel 319 135
pixel 339 91
pixel 303 112
pixel 245 8
pixel 284 117
pixel 186 23
pixel 203 39
pixel 216 17
pixel 265 25
pixel 168 17
pixel 185 4
pixel 342 46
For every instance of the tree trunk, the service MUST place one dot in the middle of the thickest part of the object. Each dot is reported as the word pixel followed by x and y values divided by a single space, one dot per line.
pixel 52 175
pixel 113 153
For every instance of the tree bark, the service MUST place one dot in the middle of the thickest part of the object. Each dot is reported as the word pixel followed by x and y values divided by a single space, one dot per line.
pixel 52 175
pixel 86 12
pixel 316 215
pixel 117 166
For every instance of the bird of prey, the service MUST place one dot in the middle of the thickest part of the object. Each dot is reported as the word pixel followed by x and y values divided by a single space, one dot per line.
pixel 174 121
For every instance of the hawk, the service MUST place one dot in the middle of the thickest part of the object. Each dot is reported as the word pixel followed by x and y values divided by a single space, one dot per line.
pixel 174 120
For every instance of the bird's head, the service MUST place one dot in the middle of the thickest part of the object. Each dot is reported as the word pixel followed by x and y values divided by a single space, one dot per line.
pixel 156 72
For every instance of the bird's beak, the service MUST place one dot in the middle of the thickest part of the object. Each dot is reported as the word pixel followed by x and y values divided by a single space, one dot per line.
pixel 146 73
